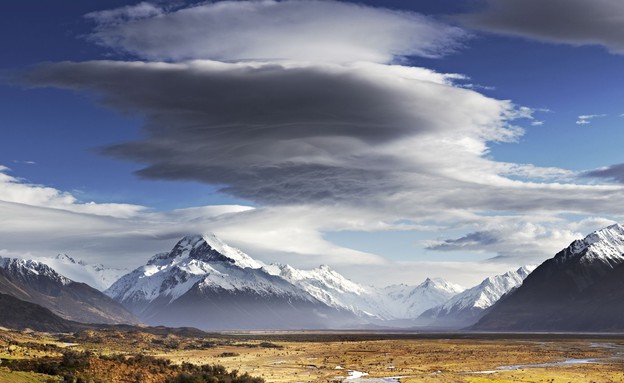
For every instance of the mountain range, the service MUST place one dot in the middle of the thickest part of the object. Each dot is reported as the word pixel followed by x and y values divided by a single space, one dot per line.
pixel 205 283
pixel 219 287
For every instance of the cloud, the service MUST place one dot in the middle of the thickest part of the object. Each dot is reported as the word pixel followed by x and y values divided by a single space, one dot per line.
pixel 125 14
pixel 383 137
pixel 585 119
pixel 574 22
pixel 613 172
pixel 282 133
pixel 16 190
pixel 269 30
pixel 513 240
pixel 319 140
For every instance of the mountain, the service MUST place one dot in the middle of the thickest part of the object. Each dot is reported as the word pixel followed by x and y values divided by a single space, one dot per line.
pixel 395 302
pixel 205 283
pixel 97 276
pixel 408 302
pixel 466 308
pixel 331 288
pixel 38 283
pixel 580 289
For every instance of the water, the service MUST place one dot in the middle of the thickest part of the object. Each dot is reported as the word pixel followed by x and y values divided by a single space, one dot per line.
pixel 616 358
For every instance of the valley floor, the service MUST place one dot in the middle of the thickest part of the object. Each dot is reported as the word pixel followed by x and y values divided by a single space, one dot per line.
pixel 336 357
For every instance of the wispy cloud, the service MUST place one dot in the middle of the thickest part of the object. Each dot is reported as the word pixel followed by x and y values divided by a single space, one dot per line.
pixel 16 190
pixel 310 30
pixel 585 119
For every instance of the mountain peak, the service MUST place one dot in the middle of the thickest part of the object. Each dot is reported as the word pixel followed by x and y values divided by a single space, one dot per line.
pixel 207 248
pixel 65 258
pixel 605 245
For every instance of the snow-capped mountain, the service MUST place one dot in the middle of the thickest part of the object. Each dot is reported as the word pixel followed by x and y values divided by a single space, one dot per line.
pixel 408 302
pixel 97 276
pixel 330 287
pixel 36 282
pixel 580 289
pixel 468 307
pixel 205 283
pixel 389 303
pixel 216 282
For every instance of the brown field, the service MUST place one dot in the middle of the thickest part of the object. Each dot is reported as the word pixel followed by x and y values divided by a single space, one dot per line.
pixel 328 357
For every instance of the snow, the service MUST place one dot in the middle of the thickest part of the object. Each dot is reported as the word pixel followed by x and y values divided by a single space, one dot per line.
pixel 96 276
pixel 486 293
pixel 204 262
pixel 208 263
pixel 393 302
pixel 28 267
pixel 605 246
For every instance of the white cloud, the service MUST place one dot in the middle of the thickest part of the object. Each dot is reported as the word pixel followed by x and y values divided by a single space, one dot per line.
pixel 585 119
pixel 266 29
pixel 16 190
pixel 126 14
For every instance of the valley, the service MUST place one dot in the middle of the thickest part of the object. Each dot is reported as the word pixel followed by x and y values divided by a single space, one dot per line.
pixel 160 355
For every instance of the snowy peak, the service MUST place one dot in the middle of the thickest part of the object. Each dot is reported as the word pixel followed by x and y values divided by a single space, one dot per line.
pixel 605 245
pixel 404 301
pixel 441 284
pixel 97 276
pixel 203 262
pixel 467 307
pixel 27 269
pixel 65 258
pixel 207 248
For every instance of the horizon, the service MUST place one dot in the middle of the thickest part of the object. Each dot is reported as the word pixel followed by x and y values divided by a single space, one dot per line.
pixel 393 142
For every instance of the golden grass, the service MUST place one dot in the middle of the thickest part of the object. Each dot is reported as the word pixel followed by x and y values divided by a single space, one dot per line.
pixel 328 358
pixel 415 360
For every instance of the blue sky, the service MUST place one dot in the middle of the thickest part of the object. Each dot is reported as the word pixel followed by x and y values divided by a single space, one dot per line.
pixel 334 196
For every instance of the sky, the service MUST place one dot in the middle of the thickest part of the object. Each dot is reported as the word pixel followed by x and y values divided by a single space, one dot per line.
pixel 393 140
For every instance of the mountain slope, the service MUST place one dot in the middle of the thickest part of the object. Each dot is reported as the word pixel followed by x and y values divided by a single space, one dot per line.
pixel 97 276
pixel 18 314
pixel 468 307
pixel 205 283
pixel 35 282
pixel 580 289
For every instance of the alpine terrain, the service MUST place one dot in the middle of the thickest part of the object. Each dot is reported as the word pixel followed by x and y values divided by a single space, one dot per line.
pixel 97 276
pixel 468 307
pixel 205 283
pixel 38 283
pixel 580 289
